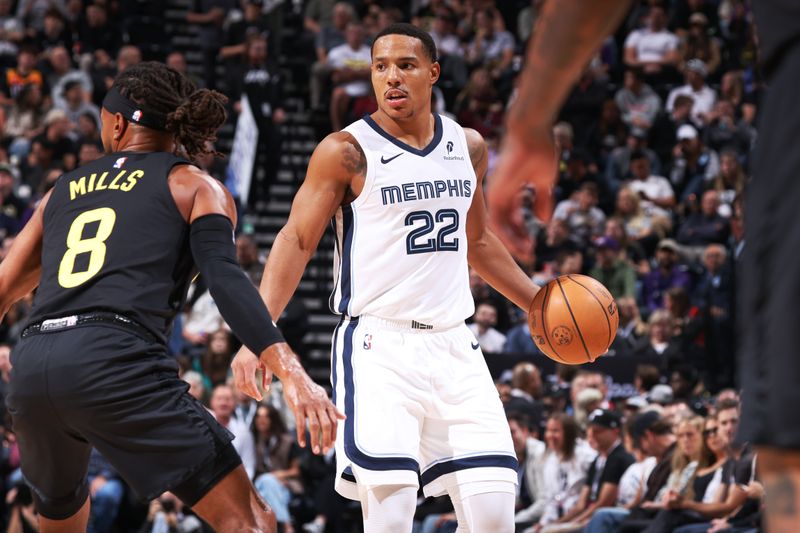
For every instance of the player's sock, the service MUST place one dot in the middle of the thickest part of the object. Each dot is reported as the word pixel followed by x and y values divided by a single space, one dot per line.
pixel 388 508
pixel 484 506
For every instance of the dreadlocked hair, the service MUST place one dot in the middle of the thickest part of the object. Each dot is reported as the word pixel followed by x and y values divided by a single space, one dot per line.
pixel 193 115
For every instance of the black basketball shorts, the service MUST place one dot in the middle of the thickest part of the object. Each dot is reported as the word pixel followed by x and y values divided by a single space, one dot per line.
pixel 769 278
pixel 103 386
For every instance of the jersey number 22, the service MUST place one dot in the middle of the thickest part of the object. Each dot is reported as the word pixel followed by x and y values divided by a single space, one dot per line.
pixel 415 241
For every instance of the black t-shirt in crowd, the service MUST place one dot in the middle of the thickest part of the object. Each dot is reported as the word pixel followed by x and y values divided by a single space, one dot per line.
pixel 659 475
pixel 616 463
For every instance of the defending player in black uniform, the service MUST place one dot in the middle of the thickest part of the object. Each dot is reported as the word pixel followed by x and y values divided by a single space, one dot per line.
pixel 769 281
pixel 112 249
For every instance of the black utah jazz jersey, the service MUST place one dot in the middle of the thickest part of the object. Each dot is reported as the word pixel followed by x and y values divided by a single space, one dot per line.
pixel 114 240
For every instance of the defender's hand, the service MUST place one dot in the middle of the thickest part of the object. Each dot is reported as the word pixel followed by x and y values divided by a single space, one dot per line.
pixel 309 402
pixel 245 366
pixel 533 163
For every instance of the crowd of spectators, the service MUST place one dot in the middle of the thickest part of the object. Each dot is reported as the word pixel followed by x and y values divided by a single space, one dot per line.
pixel 654 146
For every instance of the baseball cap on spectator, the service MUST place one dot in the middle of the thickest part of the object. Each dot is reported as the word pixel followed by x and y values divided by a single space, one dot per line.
pixel 605 418
pixel 667 244
pixel 636 402
pixel 687 131
pixel 606 242
pixel 660 394
pixel 697 65
pixel 6 168
pixel 648 420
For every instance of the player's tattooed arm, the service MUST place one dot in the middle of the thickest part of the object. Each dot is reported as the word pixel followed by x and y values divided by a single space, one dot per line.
pixel 478 154
pixel 355 162
pixel 354 159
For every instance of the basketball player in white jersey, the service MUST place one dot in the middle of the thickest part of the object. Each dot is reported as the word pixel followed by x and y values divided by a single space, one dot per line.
pixel 404 188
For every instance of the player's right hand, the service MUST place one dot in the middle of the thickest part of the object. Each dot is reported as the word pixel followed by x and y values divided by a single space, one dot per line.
pixel 309 402
pixel 245 367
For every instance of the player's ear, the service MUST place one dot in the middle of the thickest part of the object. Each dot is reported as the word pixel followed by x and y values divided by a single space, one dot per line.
pixel 436 69
pixel 120 126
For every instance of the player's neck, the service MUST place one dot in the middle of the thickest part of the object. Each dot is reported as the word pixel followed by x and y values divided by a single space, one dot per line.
pixel 150 142
pixel 417 130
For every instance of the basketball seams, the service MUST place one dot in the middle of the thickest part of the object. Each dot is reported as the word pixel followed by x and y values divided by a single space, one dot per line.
pixel 544 323
pixel 610 337
pixel 571 314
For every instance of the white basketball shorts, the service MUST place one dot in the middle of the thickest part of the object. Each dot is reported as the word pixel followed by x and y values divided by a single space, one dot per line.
pixel 421 407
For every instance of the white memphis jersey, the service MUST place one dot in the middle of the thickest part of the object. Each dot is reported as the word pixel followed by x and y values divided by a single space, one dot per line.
pixel 402 244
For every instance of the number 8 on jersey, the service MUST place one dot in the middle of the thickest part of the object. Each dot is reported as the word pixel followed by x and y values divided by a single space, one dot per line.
pixel 95 246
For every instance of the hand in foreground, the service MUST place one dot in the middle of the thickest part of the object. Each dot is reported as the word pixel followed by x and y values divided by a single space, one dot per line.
pixel 245 367
pixel 309 402
pixel 520 164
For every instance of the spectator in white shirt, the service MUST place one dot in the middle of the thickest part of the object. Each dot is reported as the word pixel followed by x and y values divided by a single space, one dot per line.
pixel 350 63
pixel 490 339
pixel 223 406
pixel 654 48
pixel 702 95
pixel 655 190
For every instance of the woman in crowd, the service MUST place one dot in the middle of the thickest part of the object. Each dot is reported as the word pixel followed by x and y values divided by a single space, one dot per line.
pixel 708 488
pixel 25 120
pixel 630 250
pixel 641 224
pixel 730 181
pixel 277 463
pixel 564 468
pixel 690 457
pixel 217 359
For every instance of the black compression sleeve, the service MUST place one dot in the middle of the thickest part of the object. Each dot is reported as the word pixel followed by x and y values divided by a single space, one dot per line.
pixel 214 252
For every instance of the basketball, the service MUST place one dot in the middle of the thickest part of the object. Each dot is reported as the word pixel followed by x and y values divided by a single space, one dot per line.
pixel 573 319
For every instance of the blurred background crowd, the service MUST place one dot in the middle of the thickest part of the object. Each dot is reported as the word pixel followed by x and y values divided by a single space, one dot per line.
pixel 654 145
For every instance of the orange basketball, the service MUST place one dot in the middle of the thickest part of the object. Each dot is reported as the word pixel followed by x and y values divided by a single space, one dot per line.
pixel 573 319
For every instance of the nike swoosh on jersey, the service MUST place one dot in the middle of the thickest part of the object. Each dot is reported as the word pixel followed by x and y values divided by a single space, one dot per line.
pixel 384 160
pixel 475 345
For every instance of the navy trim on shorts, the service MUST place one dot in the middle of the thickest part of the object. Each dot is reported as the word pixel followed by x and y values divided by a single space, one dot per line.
pixel 334 359
pixel 437 136
pixel 477 461
pixel 348 475
pixel 348 227
pixel 350 447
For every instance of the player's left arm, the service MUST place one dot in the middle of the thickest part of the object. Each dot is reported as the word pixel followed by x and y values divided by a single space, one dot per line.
pixel 485 253
pixel 20 270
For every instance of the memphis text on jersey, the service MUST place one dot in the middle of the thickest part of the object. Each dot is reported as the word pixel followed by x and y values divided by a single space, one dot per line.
pixel 116 180
pixel 424 190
